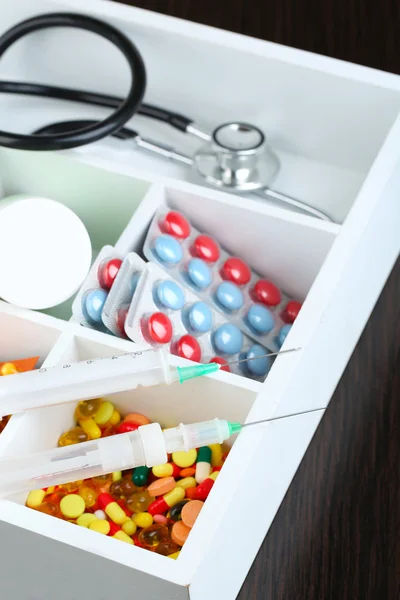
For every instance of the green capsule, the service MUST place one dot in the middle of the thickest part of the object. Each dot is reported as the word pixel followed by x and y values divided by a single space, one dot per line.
pixel 204 455
pixel 140 476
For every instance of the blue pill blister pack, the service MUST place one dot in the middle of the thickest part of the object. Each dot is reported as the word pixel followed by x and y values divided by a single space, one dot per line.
pixel 196 331
pixel 121 293
pixel 91 298
pixel 224 281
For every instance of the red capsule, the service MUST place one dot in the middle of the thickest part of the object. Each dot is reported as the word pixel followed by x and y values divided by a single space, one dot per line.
pixel 206 248
pixel 266 293
pixel 108 271
pixel 221 361
pixel 203 489
pixel 236 270
pixel 126 426
pixel 113 528
pixel 290 312
pixel 175 224
pixel 188 347
pixel 160 328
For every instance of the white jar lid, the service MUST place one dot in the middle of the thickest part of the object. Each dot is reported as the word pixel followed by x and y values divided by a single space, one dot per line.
pixel 45 252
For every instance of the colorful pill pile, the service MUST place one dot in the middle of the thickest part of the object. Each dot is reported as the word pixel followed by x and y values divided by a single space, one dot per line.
pixel 154 509
pixel 11 368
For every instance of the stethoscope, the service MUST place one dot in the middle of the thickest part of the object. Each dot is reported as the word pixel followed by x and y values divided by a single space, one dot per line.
pixel 235 157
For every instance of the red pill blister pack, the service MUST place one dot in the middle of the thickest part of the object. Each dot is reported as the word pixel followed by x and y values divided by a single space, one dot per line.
pixel 225 282
pixel 165 313
pixel 121 293
pixel 91 298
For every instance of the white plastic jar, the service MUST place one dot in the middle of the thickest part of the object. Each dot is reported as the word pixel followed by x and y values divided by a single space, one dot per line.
pixel 45 252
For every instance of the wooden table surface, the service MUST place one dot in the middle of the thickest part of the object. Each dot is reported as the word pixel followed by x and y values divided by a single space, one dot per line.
pixel 337 533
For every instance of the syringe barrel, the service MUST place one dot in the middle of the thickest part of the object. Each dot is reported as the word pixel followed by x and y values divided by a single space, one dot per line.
pixel 81 381
pixel 196 435
pixel 146 446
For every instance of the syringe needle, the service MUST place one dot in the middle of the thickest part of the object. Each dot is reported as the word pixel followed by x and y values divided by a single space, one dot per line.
pixel 236 362
pixel 297 414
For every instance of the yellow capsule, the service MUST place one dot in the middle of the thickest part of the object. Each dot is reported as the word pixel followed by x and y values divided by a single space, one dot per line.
pixel 184 459
pixel 101 526
pixel 115 513
pixel 216 454
pixel 143 519
pixel 76 435
pixel 115 418
pixel 86 519
pixel 163 470
pixel 35 498
pixel 214 475
pixel 91 428
pixel 174 555
pixel 123 537
pixel 86 409
pixel 186 483
pixel 174 496
pixel 8 369
pixel 104 413
pixel 129 527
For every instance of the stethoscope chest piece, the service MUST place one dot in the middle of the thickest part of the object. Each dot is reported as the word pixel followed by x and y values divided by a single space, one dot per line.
pixel 237 159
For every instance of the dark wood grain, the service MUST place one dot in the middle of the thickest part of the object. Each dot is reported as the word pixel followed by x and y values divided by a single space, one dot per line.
pixel 337 533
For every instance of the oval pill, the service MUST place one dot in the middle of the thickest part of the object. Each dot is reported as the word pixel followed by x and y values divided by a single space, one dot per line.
pixel 107 272
pixel 86 519
pixel 258 366
pixel 104 413
pixel 179 533
pixel 137 418
pixel 200 317
pixel 191 511
pixel 159 328
pixel 228 339
pixel 176 224
pixel 72 506
pixel 35 498
pixel 90 427
pixel 229 296
pixel 221 361
pixel 188 347
pixel 143 519
pixel 161 486
pixel 292 309
pixel 236 270
pixel 260 319
pixel 206 248
pixel 170 295
pixel 184 459
pixel 168 250
pixel 92 305
pixel 199 273
pixel 100 526
pixel 160 519
pixel 283 333
pixel 129 527
pixel 266 292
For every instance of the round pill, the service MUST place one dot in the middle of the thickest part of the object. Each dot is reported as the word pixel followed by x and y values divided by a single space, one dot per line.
pixel 126 426
pixel 199 273
pixel 228 339
pixel 188 347
pixel 236 270
pixel 221 361
pixel 137 418
pixel 100 514
pixel 282 335
pixel 86 519
pixel 170 295
pixel 160 328
pixel 92 305
pixel 191 511
pixel 179 533
pixel 292 309
pixel 229 296
pixel 184 459
pixel 108 271
pixel 258 366
pixel 72 506
pixel 201 317
pixel 175 224
pixel 206 248
pixel 168 250
pixel 260 319
pixel 161 486
pixel 266 292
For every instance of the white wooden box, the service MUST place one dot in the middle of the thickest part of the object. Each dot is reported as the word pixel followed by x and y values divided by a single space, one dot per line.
pixel 336 130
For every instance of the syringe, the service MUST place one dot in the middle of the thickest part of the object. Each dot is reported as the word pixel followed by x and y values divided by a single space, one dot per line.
pixel 88 379
pixel 91 378
pixel 148 445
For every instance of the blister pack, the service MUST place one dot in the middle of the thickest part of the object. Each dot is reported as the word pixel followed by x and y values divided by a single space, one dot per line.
pixel 92 295
pixel 165 313
pixel 225 282
pixel 120 296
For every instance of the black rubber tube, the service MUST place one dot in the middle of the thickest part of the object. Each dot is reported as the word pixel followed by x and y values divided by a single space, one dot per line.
pixel 98 130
